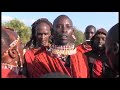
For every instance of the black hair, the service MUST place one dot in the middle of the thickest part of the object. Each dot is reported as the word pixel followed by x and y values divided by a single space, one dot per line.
pixel 91 26
pixel 32 42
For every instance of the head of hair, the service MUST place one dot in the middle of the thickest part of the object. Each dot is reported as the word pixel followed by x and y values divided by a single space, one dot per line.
pixel 113 33
pixel 90 26
pixel 32 42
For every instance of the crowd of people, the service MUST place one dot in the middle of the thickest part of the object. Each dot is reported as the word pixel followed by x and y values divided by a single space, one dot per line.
pixel 52 53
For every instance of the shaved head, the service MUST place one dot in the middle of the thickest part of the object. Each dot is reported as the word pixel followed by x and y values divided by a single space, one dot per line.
pixel 5 40
pixel 113 33
pixel 59 18
pixel 89 32
pixel 63 30
pixel 112 47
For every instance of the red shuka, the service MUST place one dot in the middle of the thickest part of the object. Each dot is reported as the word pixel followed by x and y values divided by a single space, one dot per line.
pixel 84 47
pixel 7 73
pixel 42 63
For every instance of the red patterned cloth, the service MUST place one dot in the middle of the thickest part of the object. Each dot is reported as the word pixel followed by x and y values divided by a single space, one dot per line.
pixel 84 47
pixel 7 73
pixel 43 63
pixel 97 69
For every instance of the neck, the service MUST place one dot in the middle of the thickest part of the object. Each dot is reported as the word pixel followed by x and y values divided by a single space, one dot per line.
pixel 88 42
pixel 8 60
pixel 40 45
pixel 60 44
pixel 99 52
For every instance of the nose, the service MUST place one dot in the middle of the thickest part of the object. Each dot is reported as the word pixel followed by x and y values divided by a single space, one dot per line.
pixel 100 41
pixel 42 36
pixel 89 36
pixel 64 29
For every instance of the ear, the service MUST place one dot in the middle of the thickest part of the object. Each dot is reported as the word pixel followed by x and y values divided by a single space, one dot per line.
pixel 116 48
pixel 12 52
pixel 73 36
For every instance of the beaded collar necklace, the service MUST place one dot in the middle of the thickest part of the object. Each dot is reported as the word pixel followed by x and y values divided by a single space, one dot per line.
pixel 62 52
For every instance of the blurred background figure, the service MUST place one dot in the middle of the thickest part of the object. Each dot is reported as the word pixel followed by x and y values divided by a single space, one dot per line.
pixel 12 54
pixel 89 33
pixel 98 62
pixel 112 49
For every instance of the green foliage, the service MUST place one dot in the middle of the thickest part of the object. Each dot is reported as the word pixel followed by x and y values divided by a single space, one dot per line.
pixel 23 30
pixel 79 36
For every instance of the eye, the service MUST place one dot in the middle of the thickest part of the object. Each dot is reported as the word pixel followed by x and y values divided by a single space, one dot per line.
pixel 103 39
pixel 92 32
pixel 68 26
pixel 58 26
pixel 45 33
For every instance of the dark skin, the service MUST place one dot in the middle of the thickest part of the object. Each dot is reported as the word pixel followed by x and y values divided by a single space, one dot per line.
pixel 43 34
pixel 12 55
pixel 63 31
pixel 112 47
pixel 40 35
pixel 99 41
pixel 89 33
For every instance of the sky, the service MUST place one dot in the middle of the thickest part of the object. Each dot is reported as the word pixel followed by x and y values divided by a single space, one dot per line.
pixel 80 19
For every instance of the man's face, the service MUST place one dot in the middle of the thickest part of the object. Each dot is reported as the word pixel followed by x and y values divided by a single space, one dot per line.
pixel 89 33
pixel 43 33
pixel 99 41
pixel 63 30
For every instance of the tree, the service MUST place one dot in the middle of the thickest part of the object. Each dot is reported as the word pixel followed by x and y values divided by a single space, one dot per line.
pixel 79 36
pixel 23 30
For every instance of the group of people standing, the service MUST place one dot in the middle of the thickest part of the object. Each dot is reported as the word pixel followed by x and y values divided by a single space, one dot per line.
pixel 51 52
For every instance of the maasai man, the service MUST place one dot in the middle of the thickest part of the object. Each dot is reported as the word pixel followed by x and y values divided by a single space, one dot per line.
pixel 62 56
pixel 89 33
pixel 41 36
